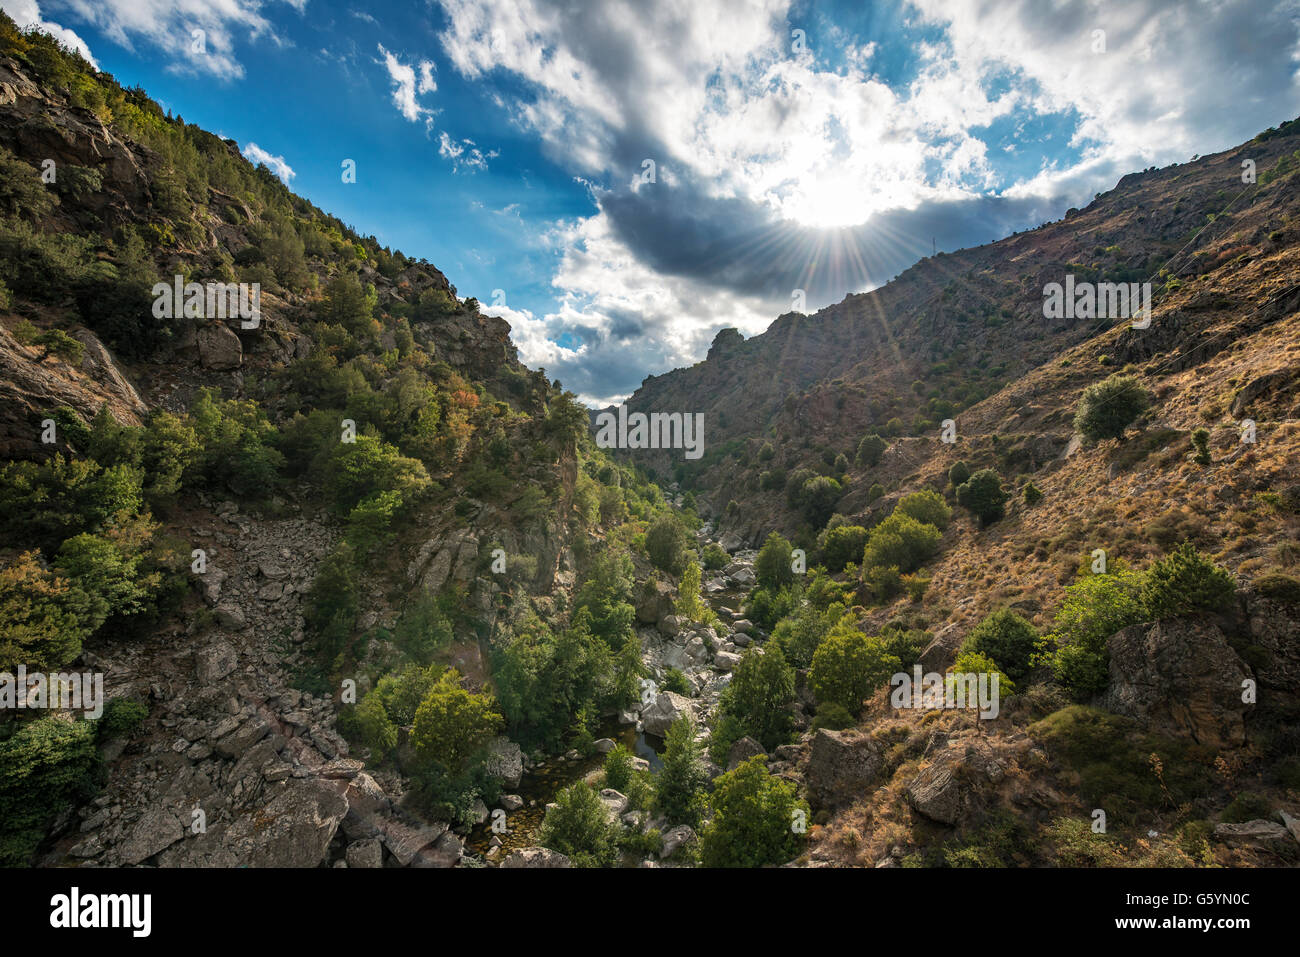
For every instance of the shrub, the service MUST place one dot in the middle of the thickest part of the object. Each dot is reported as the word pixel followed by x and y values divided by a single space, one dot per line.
pixel 1183 583
pixel 1007 639
pixel 759 695
pixel 832 717
pixel 715 557
pixel 959 474
pixel 927 507
pixel 1201 442
pixel 870 450
pixel 1095 607
pixel 665 543
pixel 1247 806
pixel 675 681
pixel 122 718
pixel 46 766
pixel 817 499
pixel 983 495
pixel 1108 407
pixel 452 725
pixel 578 828
pixel 841 545
pixel 974 663
pixel 799 634
pixel 773 568
pixel 618 769
pixel 43 618
pixel 679 794
pixel 1033 494
pixel 753 818
pixel 901 542
pixel 848 666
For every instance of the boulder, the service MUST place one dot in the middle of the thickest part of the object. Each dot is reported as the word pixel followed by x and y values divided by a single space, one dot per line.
pixel 1181 677
pixel 949 788
pixel 675 838
pixel 1263 835
pixel 406 841
pixel 230 617
pixel 215 662
pixel 156 831
pixel 667 707
pixel 368 853
pixel 535 857
pixel 726 660
pixel 842 765
pixel 743 750
pixel 615 803
pixel 219 347
pixel 670 625
pixel 654 603
pixel 505 761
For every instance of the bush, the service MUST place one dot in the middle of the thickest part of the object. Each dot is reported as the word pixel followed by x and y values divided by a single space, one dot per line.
pixel 927 507
pixel 1033 494
pixel 773 568
pixel 618 769
pixel 578 828
pixel 870 450
pixel 848 666
pixel 1108 407
pixel 1095 607
pixel 759 696
pixel 122 718
pixel 452 725
pixel 982 494
pixel 43 618
pixel 47 766
pixel 958 474
pixel 900 542
pixel 832 717
pixel 675 681
pixel 753 822
pixel 665 543
pixel 1185 583
pixel 841 545
pixel 679 794
pixel 817 499
pixel 715 557
pixel 1006 638
pixel 974 663
pixel 1201 442
pixel 799 634
pixel 1247 806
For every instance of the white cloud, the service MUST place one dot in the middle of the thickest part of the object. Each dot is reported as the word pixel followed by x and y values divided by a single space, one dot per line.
pixel 168 26
pixel 406 87
pixel 463 154
pixel 27 13
pixel 276 164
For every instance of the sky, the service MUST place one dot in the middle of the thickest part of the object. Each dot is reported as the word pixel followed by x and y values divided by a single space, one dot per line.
pixel 621 180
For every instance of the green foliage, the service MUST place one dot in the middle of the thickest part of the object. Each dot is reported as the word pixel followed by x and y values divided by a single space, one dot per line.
pixel 1184 583
pixel 675 681
pixel 452 725
pixel 370 523
pixel 975 663
pixel 107 568
pixel 606 595
pixel 983 495
pixel 754 818
pixel 841 545
pixel 578 828
pixel 799 634
pixel 927 507
pixel 238 445
pixel 1095 607
pixel 618 769
pixel 1247 806
pixel 679 785
pixel 959 474
pixel 817 499
pixel 1201 442
pixel 870 450
pixel 900 542
pixel 358 469
pixel 1033 494
pixel 47 502
pixel 423 629
pixel 122 718
pixel 1007 639
pixel 45 766
pixel 715 557
pixel 848 666
pixel 43 618
pixel 773 567
pixel 760 694
pixel 666 544
pixel 833 717
pixel 332 601
pixel 689 605
pixel 1108 407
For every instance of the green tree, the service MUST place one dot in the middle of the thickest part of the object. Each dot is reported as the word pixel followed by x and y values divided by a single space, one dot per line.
pixel 983 495
pixel 453 725
pixel 578 828
pixel 665 542
pixel 606 595
pixel 927 507
pixel 1108 407
pixel 760 694
pixel 848 666
pixel 47 766
pixel 870 450
pixel 688 604
pixel 756 819
pixel 841 545
pixel 43 621
pixel 1006 638
pixel 958 474
pixel 1095 607
pixel 773 567
pixel 900 542
pixel 679 785
pixel 1183 583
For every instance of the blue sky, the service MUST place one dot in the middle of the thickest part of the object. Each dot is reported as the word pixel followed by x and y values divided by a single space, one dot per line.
pixel 796 145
